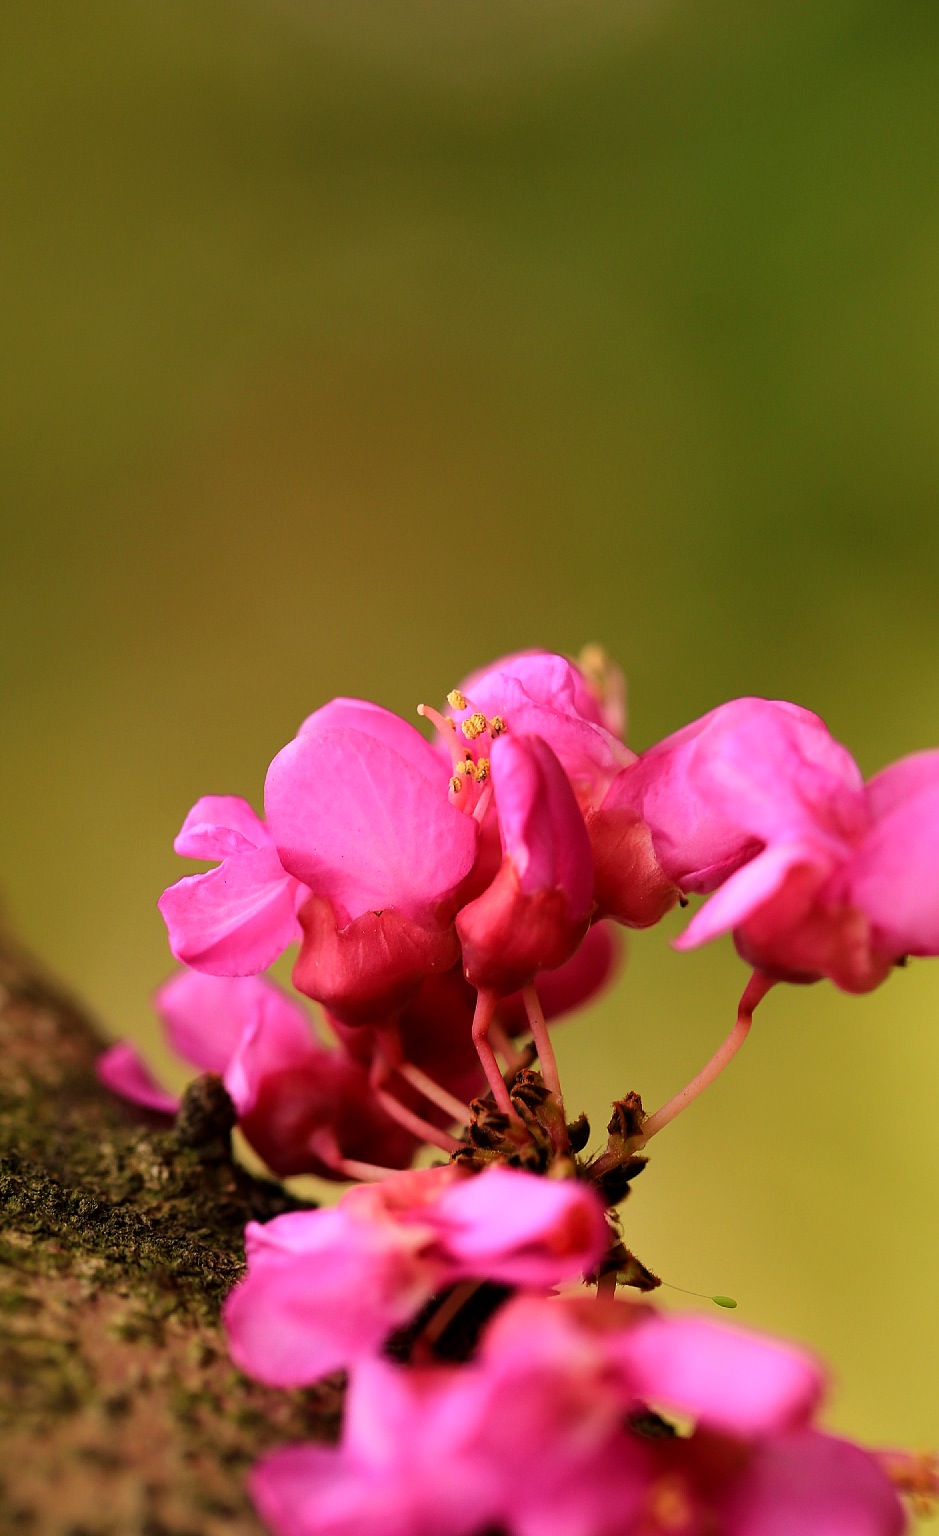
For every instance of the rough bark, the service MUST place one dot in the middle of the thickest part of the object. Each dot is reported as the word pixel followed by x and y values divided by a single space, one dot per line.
pixel 120 1414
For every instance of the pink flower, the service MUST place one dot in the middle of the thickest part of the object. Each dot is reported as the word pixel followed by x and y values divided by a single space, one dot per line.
pixel 300 1105
pixel 842 889
pixel 325 1288
pixel 752 772
pixel 236 919
pixel 548 1433
pixel 546 696
pixel 359 812
pixel 537 693
pixel 535 913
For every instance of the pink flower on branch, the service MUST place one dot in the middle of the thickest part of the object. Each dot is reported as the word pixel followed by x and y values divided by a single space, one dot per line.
pixel 303 1107
pixel 359 812
pixel 549 1432
pixel 326 1288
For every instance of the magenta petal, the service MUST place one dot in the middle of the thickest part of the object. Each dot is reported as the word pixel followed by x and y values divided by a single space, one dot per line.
pixel 894 876
pixel 727 1378
pixel 751 771
pixel 795 871
pixel 518 1228
pixel 294 1487
pixel 277 1038
pixel 219 825
pixel 236 919
pixel 356 822
pixel 322 1289
pixel 809 1484
pixel 204 1016
pixel 122 1069
pixel 542 828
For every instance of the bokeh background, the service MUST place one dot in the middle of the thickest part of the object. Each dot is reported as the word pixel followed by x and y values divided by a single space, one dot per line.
pixel 345 347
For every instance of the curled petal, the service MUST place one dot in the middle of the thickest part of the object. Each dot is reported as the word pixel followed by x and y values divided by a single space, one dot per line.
pixel 235 920
pixel 752 771
pixel 219 825
pixel 791 874
pixel 122 1069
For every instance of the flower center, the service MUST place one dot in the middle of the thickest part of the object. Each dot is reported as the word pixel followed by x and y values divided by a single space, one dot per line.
pixel 467 734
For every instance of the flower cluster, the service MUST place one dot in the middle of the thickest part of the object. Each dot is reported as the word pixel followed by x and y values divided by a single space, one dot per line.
pixel 451 898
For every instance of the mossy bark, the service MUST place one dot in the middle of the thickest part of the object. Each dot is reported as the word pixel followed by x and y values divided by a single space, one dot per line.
pixel 120 1413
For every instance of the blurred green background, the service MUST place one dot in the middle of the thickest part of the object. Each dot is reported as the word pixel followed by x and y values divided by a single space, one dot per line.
pixel 345 347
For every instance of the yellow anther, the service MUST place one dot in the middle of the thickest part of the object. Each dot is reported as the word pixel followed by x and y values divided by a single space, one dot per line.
pixel 482 770
pixel 496 726
pixel 475 726
pixel 456 784
pixel 456 699
pixel 463 768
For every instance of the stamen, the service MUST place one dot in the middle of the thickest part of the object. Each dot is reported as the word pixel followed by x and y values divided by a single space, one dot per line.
pixel 446 727
pixel 482 804
pixel 497 726
pixel 456 699
pixel 435 1092
pixel 756 989
pixel 475 726
pixel 482 1021
pixel 456 784
pixel 481 771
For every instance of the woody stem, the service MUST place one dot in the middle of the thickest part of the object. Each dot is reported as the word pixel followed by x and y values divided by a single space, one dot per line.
pixel 754 992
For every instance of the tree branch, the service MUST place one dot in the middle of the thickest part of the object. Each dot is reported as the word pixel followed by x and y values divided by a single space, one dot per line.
pixel 120 1414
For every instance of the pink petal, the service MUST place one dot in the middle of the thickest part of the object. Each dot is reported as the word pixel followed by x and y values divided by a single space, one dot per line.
pixel 808 1484
pixel 728 1379
pixel 751 771
pixel 539 694
pixel 219 825
pixel 322 1289
pixel 205 1016
pixel 122 1069
pixel 236 919
pixel 276 1037
pixel 792 873
pixel 542 828
pixel 518 1228
pixel 548 679
pixel 894 876
pixel 359 824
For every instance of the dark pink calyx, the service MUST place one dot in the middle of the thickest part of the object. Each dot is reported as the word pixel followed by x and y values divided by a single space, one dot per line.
pixel 371 966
